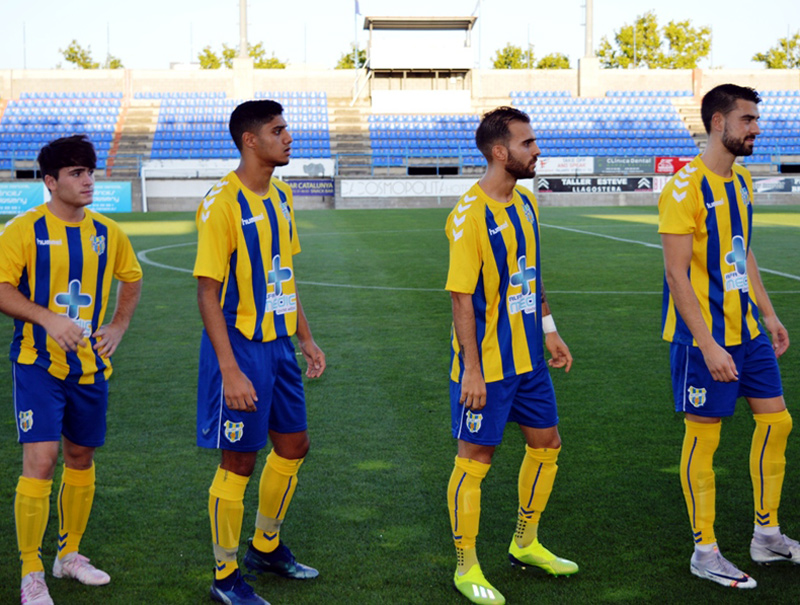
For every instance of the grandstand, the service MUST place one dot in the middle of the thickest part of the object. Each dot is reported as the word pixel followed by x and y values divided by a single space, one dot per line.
pixel 384 121
pixel 193 125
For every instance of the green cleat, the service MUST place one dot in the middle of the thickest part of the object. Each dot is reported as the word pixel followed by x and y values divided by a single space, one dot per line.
pixel 537 555
pixel 477 588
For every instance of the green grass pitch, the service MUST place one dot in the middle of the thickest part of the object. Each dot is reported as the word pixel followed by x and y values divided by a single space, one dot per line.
pixel 370 510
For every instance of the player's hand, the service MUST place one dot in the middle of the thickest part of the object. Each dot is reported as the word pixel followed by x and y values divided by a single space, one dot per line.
pixel 720 364
pixel 780 336
pixel 559 351
pixel 314 357
pixel 108 339
pixel 473 389
pixel 239 391
pixel 67 334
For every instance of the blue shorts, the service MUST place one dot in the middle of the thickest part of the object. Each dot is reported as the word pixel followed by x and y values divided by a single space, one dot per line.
pixel 272 368
pixel 527 399
pixel 696 392
pixel 46 407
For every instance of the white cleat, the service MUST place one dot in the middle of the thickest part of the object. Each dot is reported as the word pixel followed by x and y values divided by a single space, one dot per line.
pixel 76 566
pixel 33 590
pixel 771 549
pixel 713 566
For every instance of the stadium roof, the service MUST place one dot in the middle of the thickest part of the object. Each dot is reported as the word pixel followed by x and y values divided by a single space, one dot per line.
pixel 419 23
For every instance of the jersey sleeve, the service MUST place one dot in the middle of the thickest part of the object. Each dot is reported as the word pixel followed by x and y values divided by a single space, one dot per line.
pixel 465 253
pixel 12 254
pixel 126 265
pixel 215 240
pixel 677 206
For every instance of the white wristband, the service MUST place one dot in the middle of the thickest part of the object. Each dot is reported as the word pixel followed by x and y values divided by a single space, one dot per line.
pixel 548 324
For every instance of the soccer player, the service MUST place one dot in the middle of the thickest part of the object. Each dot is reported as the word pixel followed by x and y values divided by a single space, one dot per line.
pixel 498 372
pixel 713 298
pixel 57 262
pixel 250 385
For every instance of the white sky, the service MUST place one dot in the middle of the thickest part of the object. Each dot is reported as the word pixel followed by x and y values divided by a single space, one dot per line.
pixel 150 34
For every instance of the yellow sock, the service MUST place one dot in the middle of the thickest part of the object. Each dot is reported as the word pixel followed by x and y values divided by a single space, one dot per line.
pixel 75 498
pixel 767 464
pixel 464 503
pixel 697 477
pixel 31 509
pixel 536 477
pixel 226 509
pixel 275 491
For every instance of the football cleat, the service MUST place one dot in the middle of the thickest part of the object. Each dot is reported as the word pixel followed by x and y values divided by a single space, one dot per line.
pixel 76 566
pixel 280 561
pixel 33 590
pixel 713 566
pixel 233 590
pixel 476 587
pixel 537 555
pixel 770 549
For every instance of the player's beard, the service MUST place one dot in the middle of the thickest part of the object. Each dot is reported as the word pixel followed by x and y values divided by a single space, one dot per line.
pixel 518 169
pixel 738 147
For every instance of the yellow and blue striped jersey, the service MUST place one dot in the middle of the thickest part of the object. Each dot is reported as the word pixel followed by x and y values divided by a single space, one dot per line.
pixel 494 256
pixel 67 268
pixel 246 242
pixel 719 214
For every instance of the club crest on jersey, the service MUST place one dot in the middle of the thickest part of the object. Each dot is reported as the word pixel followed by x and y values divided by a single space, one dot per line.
pixel 98 243
pixel 234 431
pixel 474 421
pixel 287 214
pixel 697 397
pixel 745 196
pixel 526 210
pixel 26 421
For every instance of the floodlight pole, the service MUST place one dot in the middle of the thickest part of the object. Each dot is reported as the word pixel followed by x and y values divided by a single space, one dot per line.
pixel 243 54
pixel 588 52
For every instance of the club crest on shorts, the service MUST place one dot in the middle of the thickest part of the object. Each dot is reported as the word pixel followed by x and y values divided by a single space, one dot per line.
pixel 474 422
pixel 98 243
pixel 234 431
pixel 26 421
pixel 697 397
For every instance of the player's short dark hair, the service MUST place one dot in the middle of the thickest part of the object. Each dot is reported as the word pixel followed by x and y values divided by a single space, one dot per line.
pixel 76 150
pixel 723 99
pixel 250 116
pixel 493 128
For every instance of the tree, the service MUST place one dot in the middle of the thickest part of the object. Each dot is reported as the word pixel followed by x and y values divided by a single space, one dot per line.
pixel 79 56
pixel 210 60
pixel 82 58
pixel 346 60
pixel 513 57
pixel 784 55
pixel 553 61
pixel 112 62
pixel 687 44
pixel 642 44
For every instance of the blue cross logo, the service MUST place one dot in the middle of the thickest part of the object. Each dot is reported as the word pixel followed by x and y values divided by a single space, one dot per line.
pixel 738 256
pixel 524 276
pixel 278 275
pixel 73 300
